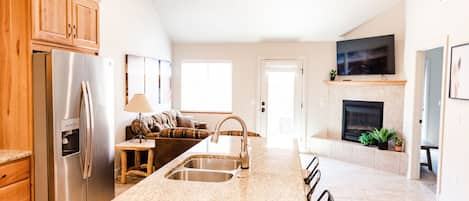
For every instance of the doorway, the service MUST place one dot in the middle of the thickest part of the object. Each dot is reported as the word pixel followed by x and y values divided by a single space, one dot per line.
pixel 281 99
pixel 431 116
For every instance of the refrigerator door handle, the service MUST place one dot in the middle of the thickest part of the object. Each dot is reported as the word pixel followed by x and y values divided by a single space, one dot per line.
pixel 91 133
pixel 85 98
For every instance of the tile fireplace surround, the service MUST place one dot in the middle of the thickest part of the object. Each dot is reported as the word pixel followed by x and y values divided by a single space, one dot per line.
pixel 333 146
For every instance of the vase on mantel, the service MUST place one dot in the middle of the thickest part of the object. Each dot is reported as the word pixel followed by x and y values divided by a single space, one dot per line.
pixel 382 145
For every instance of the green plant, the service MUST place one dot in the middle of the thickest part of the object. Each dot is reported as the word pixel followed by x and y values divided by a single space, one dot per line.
pixel 383 135
pixel 333 73
pixel 398 141
pixel 366 139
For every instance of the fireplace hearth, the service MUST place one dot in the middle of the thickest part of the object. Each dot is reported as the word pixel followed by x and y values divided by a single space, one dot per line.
pixel 359 117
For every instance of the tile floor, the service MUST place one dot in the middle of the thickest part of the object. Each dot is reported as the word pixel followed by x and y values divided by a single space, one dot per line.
pixel 350 182
pixel 131 181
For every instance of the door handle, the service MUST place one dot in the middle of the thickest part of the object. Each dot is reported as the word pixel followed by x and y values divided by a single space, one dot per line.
pixel 263 109
pixel 91 133
pixel 85 99
pixel 263 106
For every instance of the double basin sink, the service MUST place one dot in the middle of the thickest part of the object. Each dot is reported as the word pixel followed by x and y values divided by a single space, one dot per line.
pixel 206 168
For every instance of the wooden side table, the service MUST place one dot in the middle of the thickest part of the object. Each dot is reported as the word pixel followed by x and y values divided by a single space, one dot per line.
pixel 134 145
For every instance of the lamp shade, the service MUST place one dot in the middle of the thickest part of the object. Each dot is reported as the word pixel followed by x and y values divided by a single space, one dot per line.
pixel 139 103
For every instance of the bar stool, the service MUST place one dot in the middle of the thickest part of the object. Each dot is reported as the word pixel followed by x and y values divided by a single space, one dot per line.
pixel 311 168
pixel 313 183
pixel 326 193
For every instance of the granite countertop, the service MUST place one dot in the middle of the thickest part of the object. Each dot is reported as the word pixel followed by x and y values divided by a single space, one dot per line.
pixel 7 155
pixel 274 174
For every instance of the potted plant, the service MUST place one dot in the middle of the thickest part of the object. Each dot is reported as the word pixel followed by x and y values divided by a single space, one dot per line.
pixel 382 137
pixel 366 139
pixel 332 74
pixel 398 144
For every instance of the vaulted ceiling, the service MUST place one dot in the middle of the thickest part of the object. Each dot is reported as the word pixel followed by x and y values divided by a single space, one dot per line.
pixel 265 20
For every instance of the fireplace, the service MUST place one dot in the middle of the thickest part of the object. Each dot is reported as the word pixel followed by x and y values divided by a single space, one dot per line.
pixel 359 117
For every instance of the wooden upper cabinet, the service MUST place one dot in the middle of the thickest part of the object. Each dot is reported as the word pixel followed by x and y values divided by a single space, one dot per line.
pixel 86 23
pixel 66 23
pixel 52 21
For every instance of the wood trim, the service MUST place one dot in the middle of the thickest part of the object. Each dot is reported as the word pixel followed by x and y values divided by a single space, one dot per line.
pixel 202 112
pixel 368 82
pixel 47 47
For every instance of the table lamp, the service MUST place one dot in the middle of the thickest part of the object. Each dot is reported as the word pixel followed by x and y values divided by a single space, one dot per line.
pixel 139 104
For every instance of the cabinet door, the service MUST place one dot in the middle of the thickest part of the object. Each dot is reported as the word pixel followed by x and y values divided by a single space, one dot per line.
pixel 19 191
pixel 52 21
pixel 86 23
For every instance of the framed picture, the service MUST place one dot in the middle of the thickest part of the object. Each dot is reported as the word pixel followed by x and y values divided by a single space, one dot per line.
pixel 152 83
pixel 134 76
pixel 165 83
pixel 459 73
pixel 142 77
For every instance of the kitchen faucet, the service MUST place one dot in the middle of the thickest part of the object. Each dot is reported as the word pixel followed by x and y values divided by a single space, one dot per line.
pixel 244 140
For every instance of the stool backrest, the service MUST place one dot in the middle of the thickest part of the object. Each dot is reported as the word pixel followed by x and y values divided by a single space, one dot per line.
pixel 315 158
pixel 311 168
pixel 313 183
pixel 324 194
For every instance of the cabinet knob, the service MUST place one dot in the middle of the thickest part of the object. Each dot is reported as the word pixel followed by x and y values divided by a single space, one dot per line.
pixel 74 31
pixel 3 176
pixel 70 30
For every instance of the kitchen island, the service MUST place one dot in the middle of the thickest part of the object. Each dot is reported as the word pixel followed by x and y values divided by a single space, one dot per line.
pixel 274 174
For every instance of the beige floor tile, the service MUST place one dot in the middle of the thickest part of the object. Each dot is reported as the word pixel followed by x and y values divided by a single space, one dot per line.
pixel 351 182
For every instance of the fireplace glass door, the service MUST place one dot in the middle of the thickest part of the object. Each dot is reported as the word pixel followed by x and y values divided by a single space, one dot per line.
pixel 360 117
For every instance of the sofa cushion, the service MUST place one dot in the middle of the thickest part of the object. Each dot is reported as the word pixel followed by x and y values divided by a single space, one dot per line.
pixel 184 133
pixel 185 122
pixel 239 133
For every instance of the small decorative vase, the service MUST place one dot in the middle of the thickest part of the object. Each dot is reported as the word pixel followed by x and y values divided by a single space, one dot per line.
pixel 383 145
pixel 398 148
pixel 332 78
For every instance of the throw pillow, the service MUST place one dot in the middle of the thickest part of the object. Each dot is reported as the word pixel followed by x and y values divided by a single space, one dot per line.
pixel 184 122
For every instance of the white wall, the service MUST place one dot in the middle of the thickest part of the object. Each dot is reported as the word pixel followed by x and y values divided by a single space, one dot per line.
pixel 389 22
pixel 130 27
pixel 428 22
pixel 319 58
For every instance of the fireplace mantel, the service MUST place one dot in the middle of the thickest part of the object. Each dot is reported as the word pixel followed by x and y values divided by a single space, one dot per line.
pixel 367 82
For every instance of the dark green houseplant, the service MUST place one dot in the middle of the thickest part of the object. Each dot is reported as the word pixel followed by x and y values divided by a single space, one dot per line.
pixel 366 139
pixel 382 137
pixel 332 74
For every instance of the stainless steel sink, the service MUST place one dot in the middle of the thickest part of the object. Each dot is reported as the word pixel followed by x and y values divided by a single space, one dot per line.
pixel 204 176
pixel 212 163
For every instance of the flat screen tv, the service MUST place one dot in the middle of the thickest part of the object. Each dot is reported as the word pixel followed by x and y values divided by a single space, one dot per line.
pixel 366 56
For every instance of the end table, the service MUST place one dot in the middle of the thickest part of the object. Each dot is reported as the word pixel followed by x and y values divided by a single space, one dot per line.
pixel 137 147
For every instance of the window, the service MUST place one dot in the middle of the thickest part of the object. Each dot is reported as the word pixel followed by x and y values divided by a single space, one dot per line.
pixel 206 86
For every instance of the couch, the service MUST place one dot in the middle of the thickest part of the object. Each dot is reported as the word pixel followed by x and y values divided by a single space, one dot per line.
pixel 173 134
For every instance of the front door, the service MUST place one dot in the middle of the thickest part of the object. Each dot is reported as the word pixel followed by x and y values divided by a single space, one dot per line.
pixel 281 99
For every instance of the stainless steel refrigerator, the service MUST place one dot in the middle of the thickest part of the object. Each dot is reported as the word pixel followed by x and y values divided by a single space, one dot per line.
pixel 73 127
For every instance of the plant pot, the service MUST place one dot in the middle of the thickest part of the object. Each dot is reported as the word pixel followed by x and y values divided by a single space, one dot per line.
pixel 332 78
pixel 383 145
pixel 398 148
